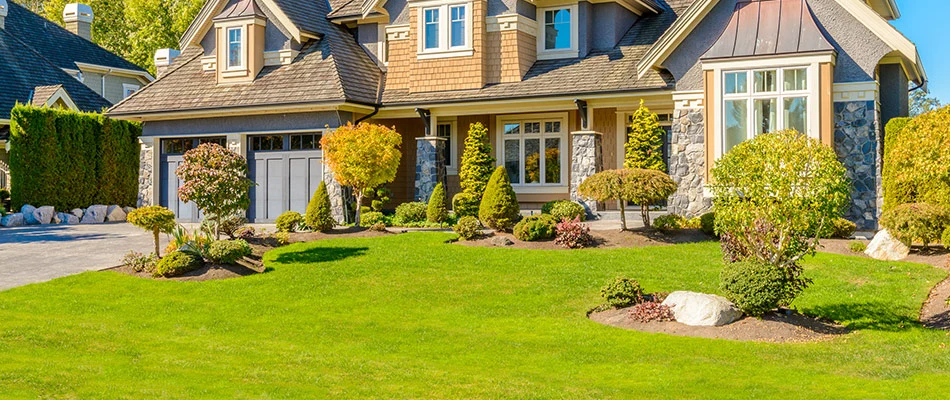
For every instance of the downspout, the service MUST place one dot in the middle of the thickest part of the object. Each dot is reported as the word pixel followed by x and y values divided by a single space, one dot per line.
pixel 103 90
pixel 368 116
pixel 379 99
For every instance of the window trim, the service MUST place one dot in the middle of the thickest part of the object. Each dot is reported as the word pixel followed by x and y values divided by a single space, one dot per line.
pixel 127 86
pixel 573 51
pixel 445 49
pixel 242 42
pixel 451 166
pixel 564 135
pixel 779 95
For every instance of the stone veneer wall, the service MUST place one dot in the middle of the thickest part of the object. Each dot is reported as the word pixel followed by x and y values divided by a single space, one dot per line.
pixel 688 163
pixel 857 139
pixel 335 192
pixel 145 175
pixel 586 160
pixel 430 166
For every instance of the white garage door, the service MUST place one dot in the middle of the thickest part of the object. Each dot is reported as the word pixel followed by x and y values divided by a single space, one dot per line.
pixel 286 170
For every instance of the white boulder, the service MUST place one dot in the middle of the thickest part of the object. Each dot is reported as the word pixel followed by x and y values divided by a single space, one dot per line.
pixel 700 309
pixel 13 220
pixel 66 218
pixel 886 247
pixel 115 214
pixel 94 215
pixel 27 211
pixel 44 215
pixel 77 212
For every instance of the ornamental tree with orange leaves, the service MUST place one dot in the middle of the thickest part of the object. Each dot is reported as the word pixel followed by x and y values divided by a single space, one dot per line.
pixel 362 156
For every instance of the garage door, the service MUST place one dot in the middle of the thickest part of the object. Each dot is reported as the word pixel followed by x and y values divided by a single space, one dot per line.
pixel 286 170
pixel 172 151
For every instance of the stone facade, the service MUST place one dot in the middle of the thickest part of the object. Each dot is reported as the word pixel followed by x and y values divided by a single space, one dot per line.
pixel 335 192
pixel 688 163
pixel 430 166
pixel 146 188
pixel 857 139
pixel 586 160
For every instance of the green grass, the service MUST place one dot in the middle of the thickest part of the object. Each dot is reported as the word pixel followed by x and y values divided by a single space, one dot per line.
pixel 410 316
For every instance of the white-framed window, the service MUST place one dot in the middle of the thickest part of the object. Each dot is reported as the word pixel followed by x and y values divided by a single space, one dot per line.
pixel 757 101
pixel 235 58
pixel 445 29
pixel 128 89
pixel 446 129
pixel 557 36
pixel 533 149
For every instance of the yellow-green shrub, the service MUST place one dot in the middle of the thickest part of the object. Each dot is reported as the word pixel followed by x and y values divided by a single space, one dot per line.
pixel 917 161
pixel 916 221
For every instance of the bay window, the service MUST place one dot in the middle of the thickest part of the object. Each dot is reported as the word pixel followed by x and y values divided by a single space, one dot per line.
pixel 532 150
pixel 763 101
pixel 445 30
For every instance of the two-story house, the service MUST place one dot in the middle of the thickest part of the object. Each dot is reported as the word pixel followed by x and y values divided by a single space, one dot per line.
pixel 554 80
pixel 44 64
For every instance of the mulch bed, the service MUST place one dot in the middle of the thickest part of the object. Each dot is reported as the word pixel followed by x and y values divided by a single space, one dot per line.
pixel 603 239
pixel 207 273
pixel 774 327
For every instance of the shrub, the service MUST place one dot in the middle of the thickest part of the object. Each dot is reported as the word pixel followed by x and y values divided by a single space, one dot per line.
pixel 282 238
pixel 467 227
pixel 436 211
pixel 176 263
pixel 475 168
pixel 140 262
pixel 756 287
pixel 771 191
pixel 669 222
pixel 465 205
pixel 622 292
pixel 843 228
pixel 916 221
pixel 707 223
pixel 651 311
pixel 378 227
pixel 917 163
pixel 155 219
pixel 215 179
pixel 230 225
pixel 319 214
pixel 644 146
pixel 896 191
pixel 411 212
pixel 228 251
pixel 857 247
pixel 372 218
pixel 536 227
pixel 945 239
pixel 245 232
pixel 289 221
pixel 499 208
pixel 380 198
pixel 639 186
pixel 562 209
pixel 573 234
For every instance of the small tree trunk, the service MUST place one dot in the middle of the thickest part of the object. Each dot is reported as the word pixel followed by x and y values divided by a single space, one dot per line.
pixel 623 215
pixel 217 227
pixel 645 213
pixel 155 236
pixel 359 203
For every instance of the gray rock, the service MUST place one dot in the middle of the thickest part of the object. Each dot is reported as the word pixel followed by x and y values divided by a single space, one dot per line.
pixel 44 215
pixel 66 218
pixel 501 241
pixel 886 247
pixel 13 220
pixel 27 211
pixel 115 214
pixel 700 309
pixel 77 212
pixel 94 215
pixel 128 209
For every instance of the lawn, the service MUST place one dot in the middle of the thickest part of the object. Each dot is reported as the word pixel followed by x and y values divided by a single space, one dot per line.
pixel 411 316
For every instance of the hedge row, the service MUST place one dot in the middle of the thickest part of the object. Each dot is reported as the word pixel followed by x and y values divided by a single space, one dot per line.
pixel 916 160
pixel 68 159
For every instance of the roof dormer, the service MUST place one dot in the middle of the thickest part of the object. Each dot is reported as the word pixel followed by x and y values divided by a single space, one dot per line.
pixel 239 33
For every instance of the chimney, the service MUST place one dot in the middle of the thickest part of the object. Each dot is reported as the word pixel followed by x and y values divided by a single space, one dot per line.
pixel 3 12
pixel 78 18
pixel 163 60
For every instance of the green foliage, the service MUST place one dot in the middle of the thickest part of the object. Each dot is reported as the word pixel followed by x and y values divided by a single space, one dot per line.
pixel 640 186
pixel 228 251
pixel 380 198
pixel 771 191
pixel 707 223
pixel 437 211
pixel 945 238
pixel 176 263
pixel 499 209
pixel 921 103
pixel 644 145
pixel 477 162
pixel 289 221
pixel 68 159
pixel 672 222
pixel 917 165
pixel 319 215
pixel 561 209
pixel 155 219
pixel 230 225
pixel 754 287
pixel 536 227
pixel 622 292
pixel 410 212
pixel 372 218
pixel 842 228
pixel 465 204
pixel 140 262
pixel 282 238
pixel 857 247
pixel 215 179
pixel 916 221
pixel 468 227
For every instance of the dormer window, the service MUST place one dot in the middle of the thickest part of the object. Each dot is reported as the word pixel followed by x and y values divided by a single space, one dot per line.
pixel 235 48
pixel 558 36
pixel 445 30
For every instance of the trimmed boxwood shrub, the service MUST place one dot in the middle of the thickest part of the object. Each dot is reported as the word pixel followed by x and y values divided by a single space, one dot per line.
pixel 68 159
pixel 916 160
pixel 622 292
pixel 436 210
pixel 372 218
pixel 289 221
pixel 411 212
pixel 228 251
pixel 467 227
pixel 499 209
pixel 465 205
pixel 536 227
pixel 754 287
pixel 916 221
pixel 176 263
pixel 564 209
pixel 707 223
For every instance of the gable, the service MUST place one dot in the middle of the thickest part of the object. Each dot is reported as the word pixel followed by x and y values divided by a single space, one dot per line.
pixel 204 22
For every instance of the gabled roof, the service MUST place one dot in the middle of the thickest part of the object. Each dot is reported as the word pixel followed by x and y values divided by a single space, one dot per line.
pixel 768 28
pixel 296 17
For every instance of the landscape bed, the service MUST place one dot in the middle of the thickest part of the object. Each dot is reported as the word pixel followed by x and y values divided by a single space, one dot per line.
pixel 411 315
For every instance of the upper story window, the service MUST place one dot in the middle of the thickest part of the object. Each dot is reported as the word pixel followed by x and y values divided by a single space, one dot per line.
pixel 128 89
pixel 558 34
pixel 235 48
pixel 445 30
pixel 762 101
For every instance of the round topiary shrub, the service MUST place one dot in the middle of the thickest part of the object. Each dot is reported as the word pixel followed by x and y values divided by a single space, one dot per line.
pixel 176 263
pixel 754 287
pixel 228 251
pixel 467 227
pixel 916 221
pixel 465 205
pixel 536 227
pixel 622 292
pixel 289 221
pixel 566 209
pixel 499 209
pixel 707 223
pixel 411 212
pixel 372 218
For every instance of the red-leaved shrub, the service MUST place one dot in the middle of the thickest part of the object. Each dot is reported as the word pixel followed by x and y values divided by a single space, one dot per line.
pixel 573 234
pixel 650 311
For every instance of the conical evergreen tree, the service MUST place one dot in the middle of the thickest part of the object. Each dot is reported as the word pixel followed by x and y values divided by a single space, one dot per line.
pixel 319 217
pixel 475 170
pixel 437 211
pixel 644 146
pixel 499 209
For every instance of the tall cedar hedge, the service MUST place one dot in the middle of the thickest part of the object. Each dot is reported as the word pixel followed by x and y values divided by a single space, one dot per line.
pixel 68 159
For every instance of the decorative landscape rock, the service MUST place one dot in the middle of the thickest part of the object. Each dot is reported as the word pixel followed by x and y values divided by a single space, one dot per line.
pixel 128 209
pixel 13 220
pixel 27 211
pixel 886 247
pixel 115 214
pixel 94 215
pixel 77 212
pixel 501 241
pixel 66 218
pixel 44 215
pixel 700 309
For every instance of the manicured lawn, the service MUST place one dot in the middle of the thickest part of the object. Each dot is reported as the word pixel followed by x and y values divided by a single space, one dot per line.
pixel 410 316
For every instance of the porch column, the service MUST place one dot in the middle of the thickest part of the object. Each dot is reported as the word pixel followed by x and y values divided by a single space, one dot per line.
pixel 148 179
pixel 430 165
pixel 688 156
pixel 586 160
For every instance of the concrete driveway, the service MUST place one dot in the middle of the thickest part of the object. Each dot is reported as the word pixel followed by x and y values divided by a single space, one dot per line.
pixel 41 253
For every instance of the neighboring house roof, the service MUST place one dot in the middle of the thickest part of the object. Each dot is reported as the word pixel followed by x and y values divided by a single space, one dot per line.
pixel 61 47
pixel 769 27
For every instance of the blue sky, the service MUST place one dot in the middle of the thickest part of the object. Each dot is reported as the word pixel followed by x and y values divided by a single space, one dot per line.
pixel 925 23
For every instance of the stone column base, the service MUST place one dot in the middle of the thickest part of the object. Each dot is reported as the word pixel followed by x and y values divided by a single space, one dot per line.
pixel 146 172
pixel 688 163
pixel 430 166
pixel 586 160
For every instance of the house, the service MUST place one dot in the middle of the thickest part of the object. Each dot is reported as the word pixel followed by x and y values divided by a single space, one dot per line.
pixel 560 78
pixel 44 64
